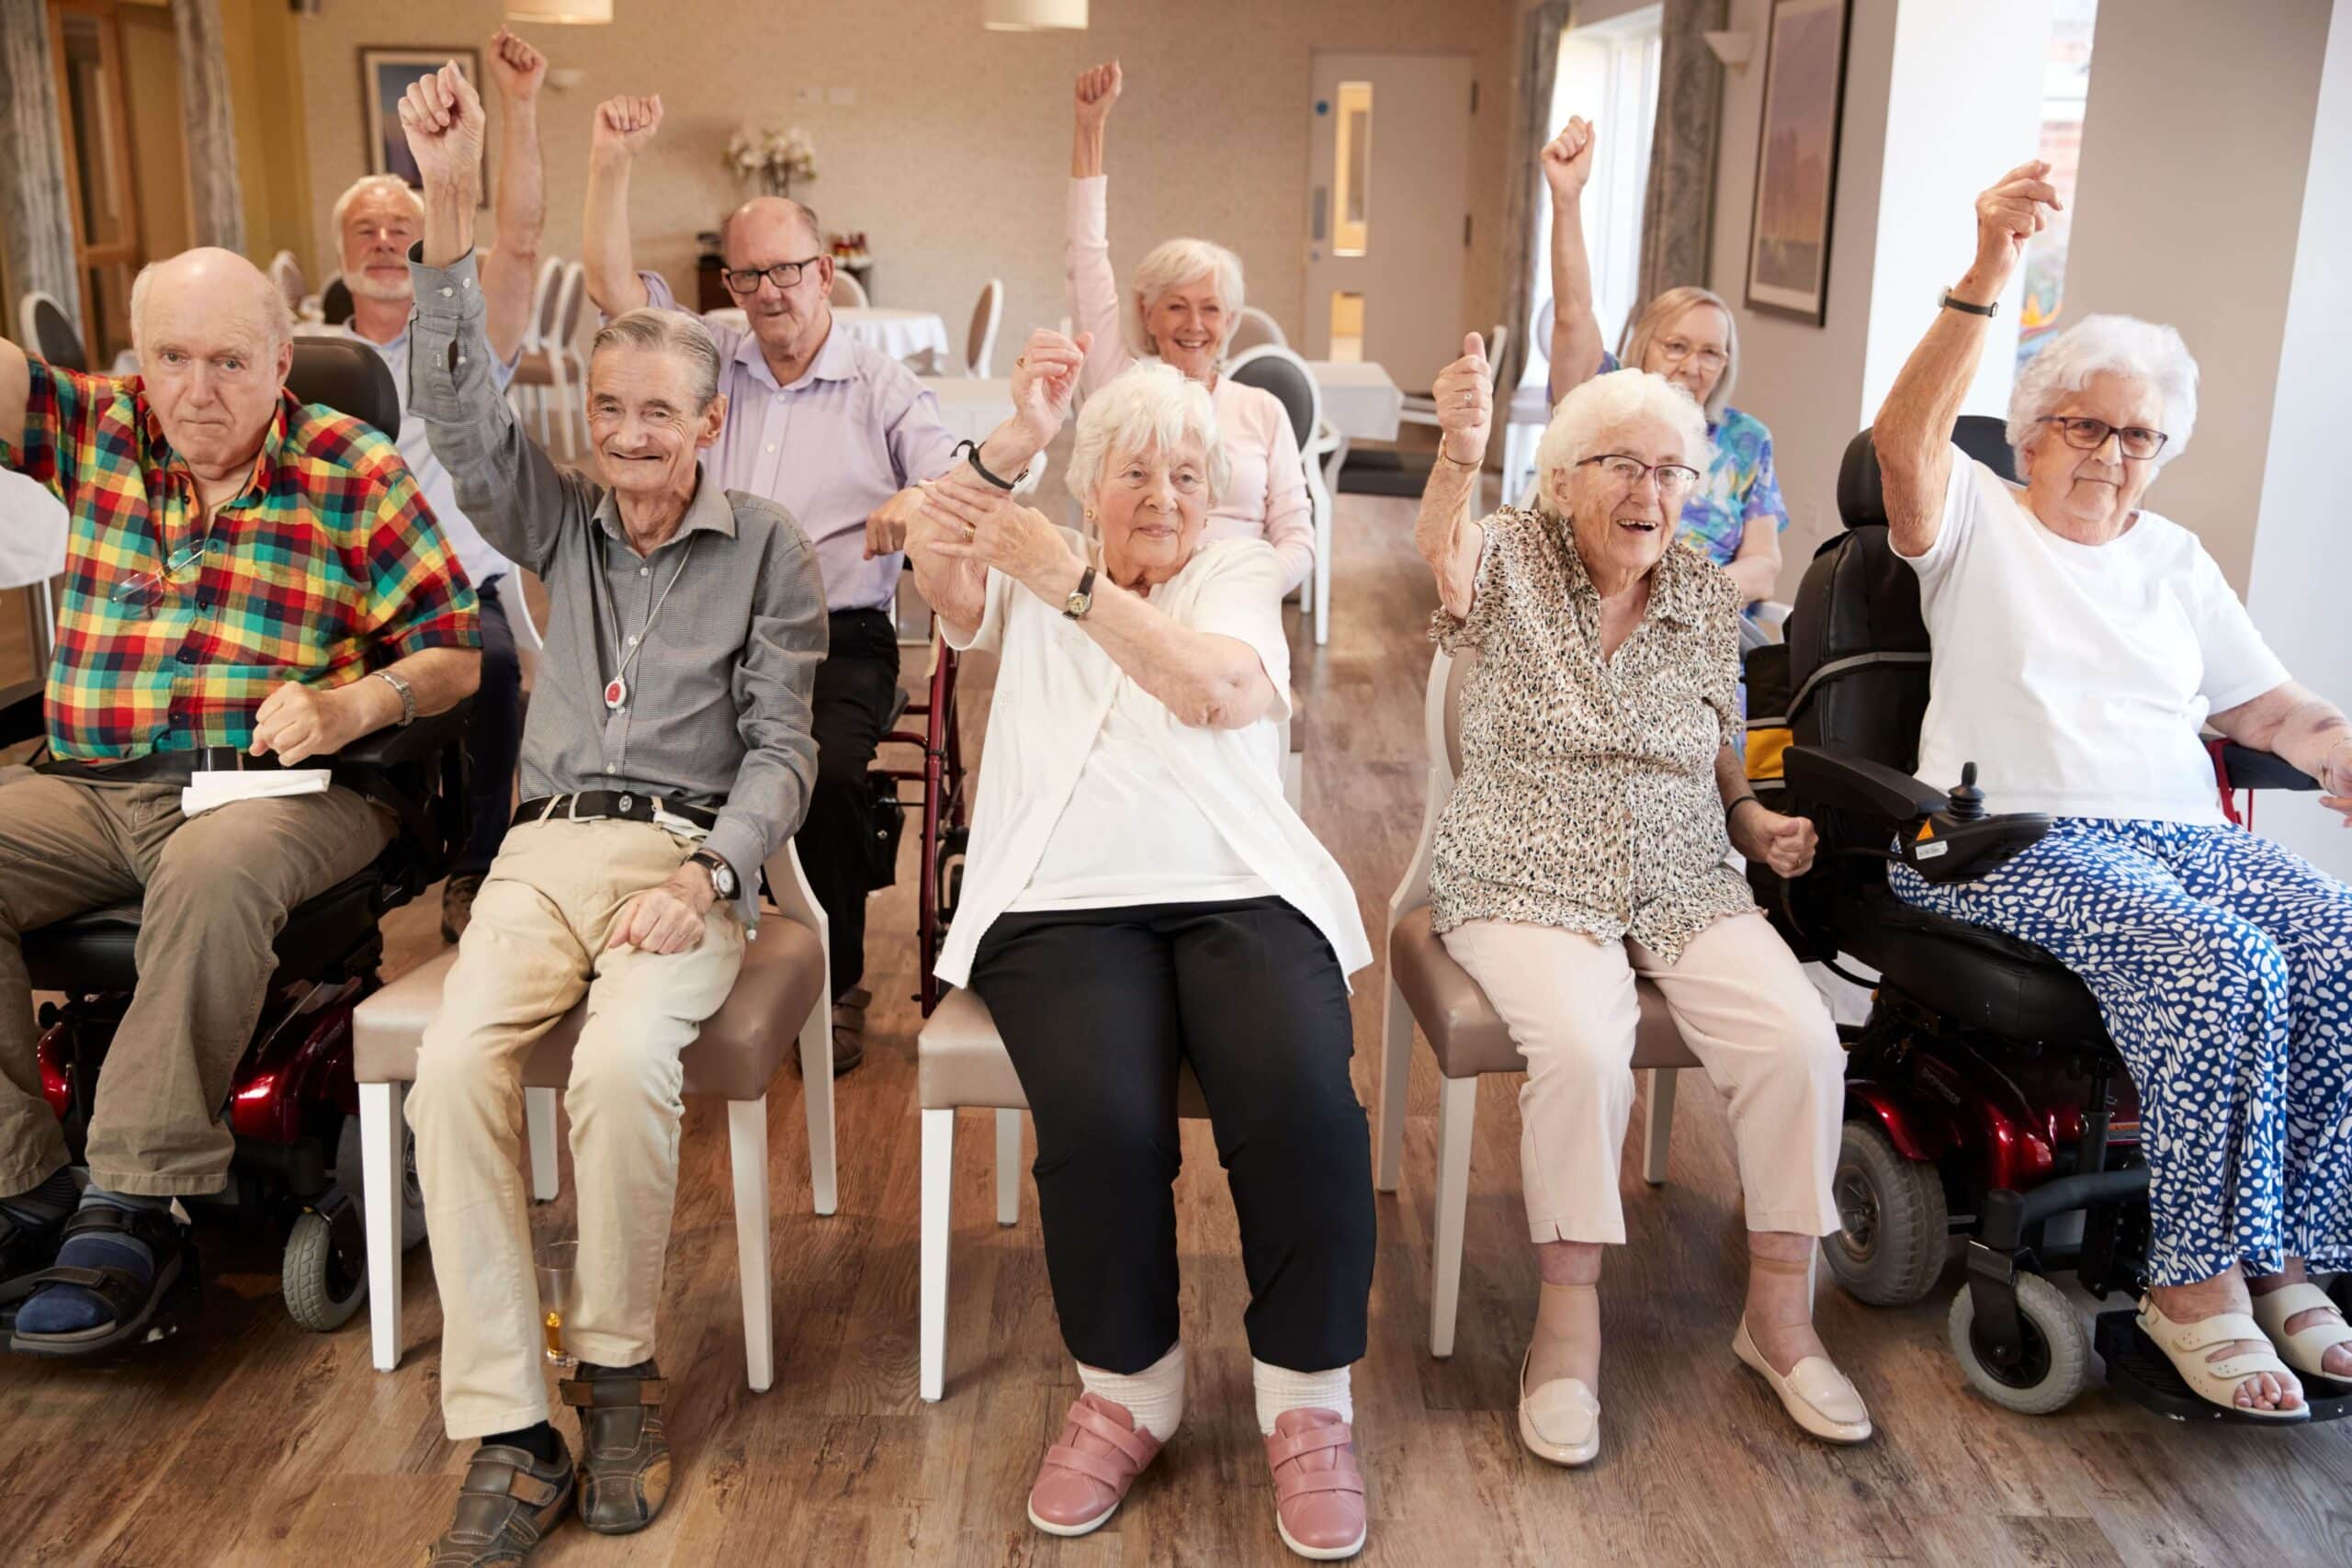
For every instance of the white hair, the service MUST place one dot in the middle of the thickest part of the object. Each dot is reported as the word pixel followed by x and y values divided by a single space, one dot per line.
pixel 1612 402
pixel 1172 264
pixel 666 332
pixel 276 315
pixel 1148 407
pixel 373 185
pixel 2116 345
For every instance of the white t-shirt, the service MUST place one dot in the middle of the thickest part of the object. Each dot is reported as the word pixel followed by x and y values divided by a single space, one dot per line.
pixel 1050 711
pixel 2076 677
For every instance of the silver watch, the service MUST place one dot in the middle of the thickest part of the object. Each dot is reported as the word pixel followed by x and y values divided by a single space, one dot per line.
pixel 722 875
pixel 408 696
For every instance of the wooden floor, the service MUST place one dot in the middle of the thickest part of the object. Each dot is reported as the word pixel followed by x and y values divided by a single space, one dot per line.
pixel 248 1440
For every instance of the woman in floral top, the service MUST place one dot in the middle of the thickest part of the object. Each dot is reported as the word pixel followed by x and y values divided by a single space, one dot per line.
pixel 1585 845
pixel 1734 514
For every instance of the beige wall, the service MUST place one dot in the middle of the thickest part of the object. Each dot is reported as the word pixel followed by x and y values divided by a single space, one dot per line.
pixel 956 156
pixel 150 65
pixel 262 41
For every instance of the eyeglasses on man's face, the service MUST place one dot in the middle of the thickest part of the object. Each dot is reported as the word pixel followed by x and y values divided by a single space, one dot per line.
pixel 784 275
pixel 1674 480
pixel 2088 434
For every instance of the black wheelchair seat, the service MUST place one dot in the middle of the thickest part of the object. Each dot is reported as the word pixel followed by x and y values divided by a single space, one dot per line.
pixel 1970 975
pixel 97 951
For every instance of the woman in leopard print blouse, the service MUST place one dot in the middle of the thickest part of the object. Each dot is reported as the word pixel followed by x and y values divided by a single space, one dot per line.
pixel 1601 791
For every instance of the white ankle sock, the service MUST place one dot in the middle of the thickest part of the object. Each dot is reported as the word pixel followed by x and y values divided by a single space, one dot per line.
pixel 1154 1397
pixel 1280 1389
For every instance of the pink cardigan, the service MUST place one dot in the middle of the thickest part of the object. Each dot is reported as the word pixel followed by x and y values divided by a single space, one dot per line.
pixel 1267 497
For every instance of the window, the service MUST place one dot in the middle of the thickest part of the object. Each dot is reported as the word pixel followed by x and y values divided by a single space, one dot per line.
pixel 1608 73
pixel 1354 177
pixel 2065 93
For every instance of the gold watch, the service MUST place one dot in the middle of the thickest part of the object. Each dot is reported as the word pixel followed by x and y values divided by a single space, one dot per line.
pixel 1081 598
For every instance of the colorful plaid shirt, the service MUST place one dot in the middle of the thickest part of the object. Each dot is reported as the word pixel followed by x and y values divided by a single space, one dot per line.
pixel 327 566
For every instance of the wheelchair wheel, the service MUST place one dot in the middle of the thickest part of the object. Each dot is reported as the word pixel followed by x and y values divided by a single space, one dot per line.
pixel 1888 1248
pixel 348 1175
pixel 320 1294
pixel 2056 1363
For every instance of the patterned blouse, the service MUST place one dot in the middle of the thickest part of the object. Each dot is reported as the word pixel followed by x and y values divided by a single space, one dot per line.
pixel 1738 487
pixel 1587 796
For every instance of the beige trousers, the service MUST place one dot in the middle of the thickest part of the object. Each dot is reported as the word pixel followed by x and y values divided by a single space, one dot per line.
pixel 534 950
pixel 1742 1001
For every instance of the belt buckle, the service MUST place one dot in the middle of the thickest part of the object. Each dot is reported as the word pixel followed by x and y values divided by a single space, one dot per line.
pixel 571 807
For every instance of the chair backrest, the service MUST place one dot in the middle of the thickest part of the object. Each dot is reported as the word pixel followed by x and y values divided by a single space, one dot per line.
pixel 1254 330
pixel 1442 743
pixel 979 340
pixel 335 303
pixel 1497 350
pixel 1272 369
pixel 848 294
pixel 570 299
pixel 48 332
pixel 1861 504
pixel 1539 334
pixel 287 273
pixel 347 377
pixel 545 291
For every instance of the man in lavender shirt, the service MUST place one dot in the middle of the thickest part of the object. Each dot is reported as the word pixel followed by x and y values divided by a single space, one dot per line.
pixel 836 433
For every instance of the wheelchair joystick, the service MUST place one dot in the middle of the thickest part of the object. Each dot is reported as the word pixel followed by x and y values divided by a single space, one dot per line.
pixel 1967 800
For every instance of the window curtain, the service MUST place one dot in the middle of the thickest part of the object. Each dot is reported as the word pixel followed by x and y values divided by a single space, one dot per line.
pixel 1540 29
pixel 1678 210
pixel 36 223
pixel 216 206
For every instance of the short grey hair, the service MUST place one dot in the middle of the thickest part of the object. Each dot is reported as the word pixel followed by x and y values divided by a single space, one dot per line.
pixel 1611 403
pixel 1172 264
pixel 2118 345
pixel 373 185
pixel 666 332
pixel 276 315
pixel 1148 407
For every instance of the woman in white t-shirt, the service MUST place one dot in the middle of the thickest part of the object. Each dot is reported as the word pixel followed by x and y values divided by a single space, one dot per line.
pixel 1139 897
pixel 2082 643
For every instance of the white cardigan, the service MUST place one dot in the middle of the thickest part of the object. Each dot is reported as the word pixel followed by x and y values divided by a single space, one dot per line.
pixel 1052 692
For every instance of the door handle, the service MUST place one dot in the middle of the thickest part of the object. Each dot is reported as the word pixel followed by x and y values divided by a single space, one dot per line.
pixel 1320 220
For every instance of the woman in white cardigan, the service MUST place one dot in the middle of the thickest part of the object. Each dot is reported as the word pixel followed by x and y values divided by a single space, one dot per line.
pixel 1139 897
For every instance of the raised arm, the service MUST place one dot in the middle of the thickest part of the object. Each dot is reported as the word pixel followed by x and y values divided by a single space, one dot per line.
pixel 1093 288
pixel 511 266
pixel 1444 531
pixel 509 490
pixel 1566 162
pixel 1912 432
pixel 1098 89
pixel 621 129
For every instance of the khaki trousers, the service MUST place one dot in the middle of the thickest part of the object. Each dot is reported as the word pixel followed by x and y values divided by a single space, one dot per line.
pixel 1744 1006
pixel 213 891
pixel 535 948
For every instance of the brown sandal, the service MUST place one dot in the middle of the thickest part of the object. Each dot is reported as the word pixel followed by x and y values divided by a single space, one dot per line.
pixel 506 1507
pixel 624 1452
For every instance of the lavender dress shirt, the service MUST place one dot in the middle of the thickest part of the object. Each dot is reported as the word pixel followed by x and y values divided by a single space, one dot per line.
pixel 853 432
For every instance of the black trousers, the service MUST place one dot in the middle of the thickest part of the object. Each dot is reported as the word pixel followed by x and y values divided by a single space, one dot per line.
pixel 1097 1008
pixel 493 731
pixel 850 703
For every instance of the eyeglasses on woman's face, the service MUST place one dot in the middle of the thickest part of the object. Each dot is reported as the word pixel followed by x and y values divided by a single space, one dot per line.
pixel 2087 435
pixel 1674 480
pixel 784 275
pixel 1675 350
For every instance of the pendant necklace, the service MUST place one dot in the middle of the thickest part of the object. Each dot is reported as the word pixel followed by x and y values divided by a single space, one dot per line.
pixel 617 688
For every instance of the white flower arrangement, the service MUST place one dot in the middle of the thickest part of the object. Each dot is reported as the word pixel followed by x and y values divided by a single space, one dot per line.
pixel 774 158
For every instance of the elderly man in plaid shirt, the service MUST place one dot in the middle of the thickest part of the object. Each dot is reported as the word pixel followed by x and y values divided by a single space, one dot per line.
pixel 245 578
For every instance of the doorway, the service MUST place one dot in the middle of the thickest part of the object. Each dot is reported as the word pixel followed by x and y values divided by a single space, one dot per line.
pixel 1389 219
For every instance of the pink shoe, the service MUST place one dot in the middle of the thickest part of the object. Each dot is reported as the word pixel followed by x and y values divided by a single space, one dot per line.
pixel 1318 1491
pixel 1086 1475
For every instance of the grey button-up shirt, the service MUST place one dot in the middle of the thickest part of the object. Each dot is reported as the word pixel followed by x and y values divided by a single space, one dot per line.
pixel 716 714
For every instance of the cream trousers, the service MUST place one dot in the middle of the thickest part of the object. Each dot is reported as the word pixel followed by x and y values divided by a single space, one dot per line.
pixel 1748 1012
pixel 534 948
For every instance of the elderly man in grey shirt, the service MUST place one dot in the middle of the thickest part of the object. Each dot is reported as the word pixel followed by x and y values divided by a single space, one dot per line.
pixel 667 756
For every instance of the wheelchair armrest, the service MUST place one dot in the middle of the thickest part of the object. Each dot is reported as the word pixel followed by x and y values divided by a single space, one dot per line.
pixel 1855 783
pixel 2246 768
pixel 393 746
pixel 20 712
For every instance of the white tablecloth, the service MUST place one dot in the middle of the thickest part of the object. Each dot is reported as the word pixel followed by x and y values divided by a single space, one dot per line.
pixel 896 333
pixel 970 407
pixel 1360 401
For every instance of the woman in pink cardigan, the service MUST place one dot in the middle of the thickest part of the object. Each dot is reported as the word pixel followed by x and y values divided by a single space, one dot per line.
pixel 1187 300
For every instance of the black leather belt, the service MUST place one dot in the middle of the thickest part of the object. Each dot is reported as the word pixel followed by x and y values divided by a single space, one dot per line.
pixel 171 767
pixel 606 805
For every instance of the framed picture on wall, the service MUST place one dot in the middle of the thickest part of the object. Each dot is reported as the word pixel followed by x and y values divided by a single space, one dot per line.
pixel 384 76
pixel 1796 160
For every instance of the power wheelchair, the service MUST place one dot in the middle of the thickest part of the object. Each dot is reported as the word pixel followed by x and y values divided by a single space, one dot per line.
pixel 293 1106
pixel 1985 1100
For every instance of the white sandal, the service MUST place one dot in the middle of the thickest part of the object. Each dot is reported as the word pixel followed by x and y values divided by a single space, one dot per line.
pixel 2185 1345
pixel 1817 1396
pixel 2302 1350
pixel 1560 1420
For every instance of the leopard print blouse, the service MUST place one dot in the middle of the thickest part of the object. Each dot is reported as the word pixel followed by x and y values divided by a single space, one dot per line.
pixel 1587 799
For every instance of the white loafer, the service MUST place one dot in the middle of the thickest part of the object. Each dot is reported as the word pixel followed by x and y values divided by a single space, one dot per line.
pixel 1815 1393
pixel 1559 1421
pixel 2185 1346
pixel 2302 1350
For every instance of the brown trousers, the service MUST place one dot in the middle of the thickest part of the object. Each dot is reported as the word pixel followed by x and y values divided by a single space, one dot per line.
pixel 214 892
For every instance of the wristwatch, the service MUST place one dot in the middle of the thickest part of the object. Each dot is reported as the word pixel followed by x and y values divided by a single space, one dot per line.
pixel 722 875
pixel 1951 301
pixel 1081 598
pixel 408 696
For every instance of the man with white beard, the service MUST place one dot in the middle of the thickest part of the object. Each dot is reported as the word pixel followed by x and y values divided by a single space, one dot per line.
pixel 375 221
